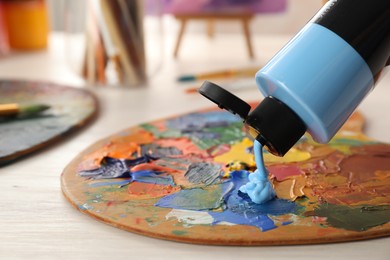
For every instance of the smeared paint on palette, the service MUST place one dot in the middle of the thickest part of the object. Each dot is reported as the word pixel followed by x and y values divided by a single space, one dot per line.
pixel 70 109
pixel 179 179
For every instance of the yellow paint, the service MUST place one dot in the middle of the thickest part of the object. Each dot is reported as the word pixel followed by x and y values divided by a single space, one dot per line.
pixel 294 155
pixel 238 153
pixel 236 166
pixel 345 149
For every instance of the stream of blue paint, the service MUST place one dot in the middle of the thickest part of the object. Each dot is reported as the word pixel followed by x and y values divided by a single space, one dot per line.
pixel 259 189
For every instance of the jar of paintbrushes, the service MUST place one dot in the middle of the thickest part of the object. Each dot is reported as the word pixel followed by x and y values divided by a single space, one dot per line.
pixel 122 41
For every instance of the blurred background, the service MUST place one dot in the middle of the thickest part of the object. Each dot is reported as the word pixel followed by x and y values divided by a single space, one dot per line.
pixel 295 15
pixel 174 33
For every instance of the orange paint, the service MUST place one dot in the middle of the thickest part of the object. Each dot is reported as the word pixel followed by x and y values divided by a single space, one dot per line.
pixel 119 147
pixel 290 189
pixel 138 190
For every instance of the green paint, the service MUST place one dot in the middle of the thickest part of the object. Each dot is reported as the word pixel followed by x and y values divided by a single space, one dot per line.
pixel 233 133
pixel 179 232
pixel 356 218
pixel 349 141
pixel 227 135
pixel 111 188
pixel 170 133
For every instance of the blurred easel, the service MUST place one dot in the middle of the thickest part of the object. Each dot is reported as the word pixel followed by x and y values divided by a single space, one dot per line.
pixel 244 18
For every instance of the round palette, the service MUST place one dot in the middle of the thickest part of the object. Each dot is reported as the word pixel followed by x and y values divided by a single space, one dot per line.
pixel 70 108
pixel 179 178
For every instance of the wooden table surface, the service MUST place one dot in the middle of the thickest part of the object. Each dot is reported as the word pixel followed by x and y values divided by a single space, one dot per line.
pixel 36 221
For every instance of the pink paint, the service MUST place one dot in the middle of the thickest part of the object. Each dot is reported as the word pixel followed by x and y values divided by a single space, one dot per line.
pixel 183 144
pixel 218 150
pixel 283 172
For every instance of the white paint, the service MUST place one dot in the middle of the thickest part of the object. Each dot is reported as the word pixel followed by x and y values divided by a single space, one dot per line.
pixel 190 217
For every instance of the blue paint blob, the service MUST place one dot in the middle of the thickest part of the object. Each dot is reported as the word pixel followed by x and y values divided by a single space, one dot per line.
pixel 259 189
pixel 239 178
pixel 241 210
pixel 241 203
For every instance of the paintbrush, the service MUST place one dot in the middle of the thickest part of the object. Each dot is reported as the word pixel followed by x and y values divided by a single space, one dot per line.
pixel 14 109
pixel 247 72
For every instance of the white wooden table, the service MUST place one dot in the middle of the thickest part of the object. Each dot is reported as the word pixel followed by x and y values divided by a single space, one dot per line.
pixel 36 221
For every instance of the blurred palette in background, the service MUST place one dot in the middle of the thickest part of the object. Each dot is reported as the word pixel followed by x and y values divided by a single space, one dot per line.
pixel 70 109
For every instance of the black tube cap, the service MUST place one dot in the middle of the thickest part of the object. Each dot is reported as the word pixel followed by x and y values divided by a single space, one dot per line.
pixel 272 122
pixel 278 126
pixel 224 99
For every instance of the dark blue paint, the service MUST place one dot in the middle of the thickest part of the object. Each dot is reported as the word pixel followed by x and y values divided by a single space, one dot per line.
pixel 110 168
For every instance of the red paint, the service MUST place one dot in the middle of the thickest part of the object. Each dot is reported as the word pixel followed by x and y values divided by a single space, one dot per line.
pixel 110 203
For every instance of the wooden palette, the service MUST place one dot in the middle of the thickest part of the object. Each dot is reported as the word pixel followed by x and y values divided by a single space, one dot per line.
pixel 178 179
pixel 70 109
